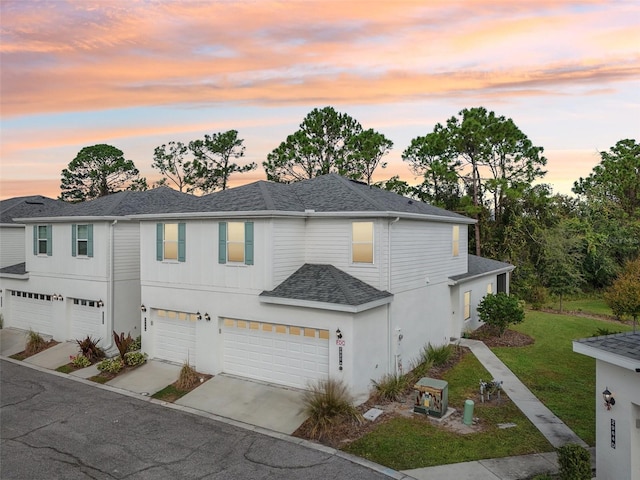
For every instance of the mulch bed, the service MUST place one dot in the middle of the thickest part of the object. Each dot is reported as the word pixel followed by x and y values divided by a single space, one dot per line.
pixel 25 354
pixel 347 431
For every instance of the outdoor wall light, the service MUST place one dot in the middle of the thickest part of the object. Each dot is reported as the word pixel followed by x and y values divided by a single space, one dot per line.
pixel 207 317
pixel 55 296
pixel 198 315
pixel 609 401
pixel 60 297
pixel 338 333
pixel 100 303
pixel 143 308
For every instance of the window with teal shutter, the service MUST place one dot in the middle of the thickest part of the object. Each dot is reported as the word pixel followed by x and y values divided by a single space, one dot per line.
pixel 182 242
pixel 248 243
pixel 90 240
pixel 42 240
pixel 222 242
pixel 159 241
pixel 74 239
pixel 82 240
pixel 171 241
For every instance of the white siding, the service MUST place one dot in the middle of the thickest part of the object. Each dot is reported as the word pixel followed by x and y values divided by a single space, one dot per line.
pixel 126 262
pixel 421 251
pixel 12 245
pixel 288 248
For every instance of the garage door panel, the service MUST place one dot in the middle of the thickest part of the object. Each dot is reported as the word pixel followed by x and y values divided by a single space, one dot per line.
pixel 175 339
pixel 86 321
pixel 292 356
pixel 31 314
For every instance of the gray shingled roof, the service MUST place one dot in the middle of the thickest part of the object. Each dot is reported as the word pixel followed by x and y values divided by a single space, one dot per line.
pixel 25 207
pixel 481 266
pixel 327 193
pixel 17 269
pixel 624 344
pixel 120 204
pixel 326 284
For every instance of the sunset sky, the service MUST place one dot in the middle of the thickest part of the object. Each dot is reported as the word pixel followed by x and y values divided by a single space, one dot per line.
pixel 137 74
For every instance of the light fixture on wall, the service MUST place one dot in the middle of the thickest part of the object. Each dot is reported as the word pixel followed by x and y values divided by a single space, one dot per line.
pixel 143 308
pixel 60 297
pixel 609 401
pixel 198 316
pixel 207 317
pixel 55 296
pixel 338 333
pixel 100 303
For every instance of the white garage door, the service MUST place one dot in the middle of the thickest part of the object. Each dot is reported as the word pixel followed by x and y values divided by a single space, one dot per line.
pixel 175 336
pixel 283 354
pixel 31 311
pixel 86 320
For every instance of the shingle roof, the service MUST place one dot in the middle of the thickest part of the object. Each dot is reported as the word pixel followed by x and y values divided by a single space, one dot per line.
pixel 120 204
pixel 624 344
pixel 17 269
pixel 25 207
pixel 480 266
pixel 326 284
pixel 327 193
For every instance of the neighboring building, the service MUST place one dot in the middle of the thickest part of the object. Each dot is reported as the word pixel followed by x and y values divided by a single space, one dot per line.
pixel 81 272
pixel 284 283
pixel 617 425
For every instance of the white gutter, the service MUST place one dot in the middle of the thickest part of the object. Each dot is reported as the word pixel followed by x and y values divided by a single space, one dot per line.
pixel 110 286
pixel 389 333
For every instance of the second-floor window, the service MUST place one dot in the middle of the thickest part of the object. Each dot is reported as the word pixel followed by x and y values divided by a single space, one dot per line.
pixel 42 241
pixel 82 240
pixel 455 241
pixel 235 242
pixel 362 242
pixel 171 242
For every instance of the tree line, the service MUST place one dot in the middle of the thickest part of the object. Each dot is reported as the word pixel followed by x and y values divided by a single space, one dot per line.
pixel 475 163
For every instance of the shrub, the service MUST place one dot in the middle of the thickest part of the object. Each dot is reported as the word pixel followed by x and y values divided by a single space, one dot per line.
pixel 90 349
pixel 575 462
pixel 327 403
pixel 419 368
pixel 111 365
pixel 135 358
pixel 35 343
pixel 500 310
pixel 188 377
pixel 537 297
pixel 601 332
pixel 122 343
pixel 438 356
pixel 80 361
pixel 390 387
pixel 136 345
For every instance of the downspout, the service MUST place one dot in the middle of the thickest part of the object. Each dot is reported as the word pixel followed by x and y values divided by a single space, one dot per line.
pixel 110 286
pixel 390 364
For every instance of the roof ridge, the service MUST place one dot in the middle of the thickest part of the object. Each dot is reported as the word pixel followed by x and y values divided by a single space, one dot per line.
pixel 125 194
pixel 351 185
pixel 336 274
pixel 266 195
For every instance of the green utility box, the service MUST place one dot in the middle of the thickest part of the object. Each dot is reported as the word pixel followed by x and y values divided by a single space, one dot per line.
pixel 432 397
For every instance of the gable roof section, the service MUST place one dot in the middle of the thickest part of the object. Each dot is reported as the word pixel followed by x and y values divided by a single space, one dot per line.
pixel 25 207
pixel 17 269
pixel 622 349
pixel 124 203
pixel 480 266
pixel 326 287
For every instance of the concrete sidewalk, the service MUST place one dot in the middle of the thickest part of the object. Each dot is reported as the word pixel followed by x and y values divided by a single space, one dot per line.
pixel 544 419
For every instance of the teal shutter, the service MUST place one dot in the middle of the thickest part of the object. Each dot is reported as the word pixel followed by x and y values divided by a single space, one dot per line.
pixel 35 239
pixel 90 240
pixel 222 242
pixel 159 241
pixel 73 239
pixel 49 240
pixel 182 243
pixel 248 243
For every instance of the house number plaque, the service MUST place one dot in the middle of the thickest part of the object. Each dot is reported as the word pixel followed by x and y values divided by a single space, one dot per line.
pixel 613 433
pixel 340 358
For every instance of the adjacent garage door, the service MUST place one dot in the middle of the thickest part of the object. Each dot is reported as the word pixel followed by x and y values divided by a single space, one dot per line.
pixel 86 320
pixel 31 311
pixel 283 354
pixel 175 336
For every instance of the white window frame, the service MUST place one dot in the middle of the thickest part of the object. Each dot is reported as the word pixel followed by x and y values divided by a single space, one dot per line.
pixel 455 240
pixel 166 242
pixel 355 244
pixel 240 245
pixel 84 240
pixel 43 241
pixel 467 305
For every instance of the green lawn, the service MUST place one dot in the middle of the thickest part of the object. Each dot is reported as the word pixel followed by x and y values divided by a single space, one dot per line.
pixel 563 380
pixel 405 443
pixel 592 305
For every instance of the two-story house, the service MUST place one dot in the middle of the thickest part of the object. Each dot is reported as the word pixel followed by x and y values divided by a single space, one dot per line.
pixel 80 269
pixel 291 283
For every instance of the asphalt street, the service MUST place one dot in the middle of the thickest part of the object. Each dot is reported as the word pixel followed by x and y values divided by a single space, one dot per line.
pixel 52 427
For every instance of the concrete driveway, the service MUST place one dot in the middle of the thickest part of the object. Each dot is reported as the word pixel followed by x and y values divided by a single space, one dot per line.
pixel 256 403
